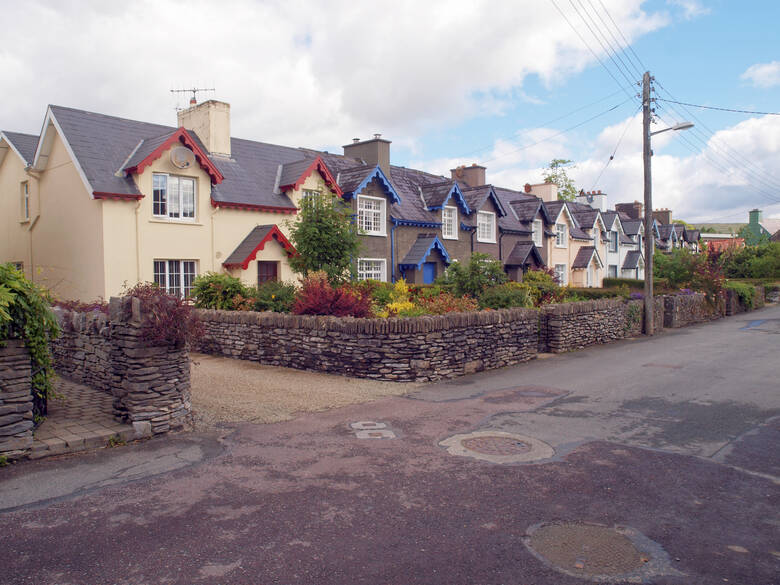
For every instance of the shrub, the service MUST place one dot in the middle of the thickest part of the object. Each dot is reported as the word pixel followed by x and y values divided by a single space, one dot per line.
pixel 400 303
pixel 761 261
pixel 447 303
pixel 98 306
pixel 275 296
pixel 481 272
pixel 544 287
pixel 318 297
pixel 217 291
pixel 745 292
pixel 597 293
pixel 25 314
pixel 171 320
pixel 504 296
pixel 631 283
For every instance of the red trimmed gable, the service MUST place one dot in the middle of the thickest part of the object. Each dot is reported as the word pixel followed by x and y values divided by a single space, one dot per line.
pixel 319 165
pixel 273 234
pixel 252 207
pixel 184 137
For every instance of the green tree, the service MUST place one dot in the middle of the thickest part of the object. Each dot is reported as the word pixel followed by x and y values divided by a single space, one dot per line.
pixel 481 272
pixel 556 173
pixel 326 238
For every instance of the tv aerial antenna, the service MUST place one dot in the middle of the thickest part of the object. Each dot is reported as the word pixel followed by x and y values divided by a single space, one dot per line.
pixel 194 90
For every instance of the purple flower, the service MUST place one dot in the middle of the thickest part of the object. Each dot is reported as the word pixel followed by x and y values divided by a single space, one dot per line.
pixel 686 291
pixel 635 296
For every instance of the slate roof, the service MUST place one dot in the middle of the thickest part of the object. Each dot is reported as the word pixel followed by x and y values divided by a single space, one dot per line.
pixel 248 244
pixel 679 229
pixel 609 218
pixel 624 239
pixel 665 231
pixel 292 171
pixel 24 143
pixel 631 226
pixel 434 194
pixel 692 235
pixel 103 143
pixel 477 196
pixel 583 257
pixel 632 259
pixel 519 255
pixel 421 248
pixel 146 147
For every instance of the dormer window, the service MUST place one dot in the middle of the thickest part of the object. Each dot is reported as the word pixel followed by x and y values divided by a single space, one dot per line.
pixel 173 197
pixel 537 233
pixel 560 235
pixel 613 241
pixel 371 215
pixel 449 223
pixel 486 227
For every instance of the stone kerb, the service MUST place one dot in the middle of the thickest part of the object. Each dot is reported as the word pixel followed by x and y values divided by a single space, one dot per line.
pixel 16 406
pixel 410 349
pixel 150 383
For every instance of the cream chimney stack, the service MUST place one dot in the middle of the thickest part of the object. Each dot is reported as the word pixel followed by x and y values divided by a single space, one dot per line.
pixel 210 120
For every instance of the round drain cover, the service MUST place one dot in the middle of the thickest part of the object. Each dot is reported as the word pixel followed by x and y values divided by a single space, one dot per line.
pixel 492 445
pixel 586 549
pixel 599 553
pixel 498 447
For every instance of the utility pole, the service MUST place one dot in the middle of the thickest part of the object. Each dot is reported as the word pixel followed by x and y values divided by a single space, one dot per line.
pixel 649 236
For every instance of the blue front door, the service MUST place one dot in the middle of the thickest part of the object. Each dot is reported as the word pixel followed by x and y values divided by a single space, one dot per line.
pixel 429 272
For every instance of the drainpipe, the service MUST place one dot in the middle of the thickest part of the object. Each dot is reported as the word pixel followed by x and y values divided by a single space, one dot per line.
pixel 36 175
pixel 214 212
pixel 472 232
pixel 500 247
pixel 392 250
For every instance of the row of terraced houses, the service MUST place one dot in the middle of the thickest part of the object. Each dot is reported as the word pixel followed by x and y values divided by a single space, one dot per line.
pixel 94 203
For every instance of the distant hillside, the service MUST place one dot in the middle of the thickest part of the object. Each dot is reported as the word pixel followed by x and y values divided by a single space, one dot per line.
pixel 721 228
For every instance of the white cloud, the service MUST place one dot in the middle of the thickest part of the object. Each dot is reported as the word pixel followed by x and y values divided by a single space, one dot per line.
pixel 691 8
pixel 763 74
pixel 295 72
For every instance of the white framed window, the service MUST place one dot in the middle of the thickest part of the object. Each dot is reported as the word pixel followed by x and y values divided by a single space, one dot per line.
pixel 25 200
pixel 175 276
pixel 173 197
pixel 613 241
pixel 310 192
pixel 612 271
pixel 560 235
pixel 537 233
pixel 486 227
pixel 371 215
pixel 373 268
pixel 560 274
pixel 449 223
pixel 590 276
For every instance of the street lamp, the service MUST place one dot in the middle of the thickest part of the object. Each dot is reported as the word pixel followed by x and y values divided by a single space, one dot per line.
pixel 649 239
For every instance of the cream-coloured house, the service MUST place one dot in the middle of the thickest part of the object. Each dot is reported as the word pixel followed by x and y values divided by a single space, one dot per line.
pixel 97 202
pixel 571 252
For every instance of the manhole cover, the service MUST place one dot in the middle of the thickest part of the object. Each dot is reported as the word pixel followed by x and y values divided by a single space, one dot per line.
pixel 599 553
pixel 493 445
pixel 498 447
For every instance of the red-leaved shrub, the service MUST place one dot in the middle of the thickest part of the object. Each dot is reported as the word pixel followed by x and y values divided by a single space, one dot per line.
pixel 445 302
pixel 170 320
pixel 318 297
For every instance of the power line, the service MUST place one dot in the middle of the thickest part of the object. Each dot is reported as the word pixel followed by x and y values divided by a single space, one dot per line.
pixel 722 109
pixel 636 70
pixel 527 146
pixel 612 156
pixel 616 53
pixel 584 42
pixel 643 68
pixel 585 107
pixel 630 81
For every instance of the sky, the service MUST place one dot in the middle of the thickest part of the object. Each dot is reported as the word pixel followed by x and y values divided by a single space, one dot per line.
pixel 507 84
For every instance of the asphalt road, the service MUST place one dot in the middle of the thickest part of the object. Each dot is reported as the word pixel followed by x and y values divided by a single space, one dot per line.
pixel 671 443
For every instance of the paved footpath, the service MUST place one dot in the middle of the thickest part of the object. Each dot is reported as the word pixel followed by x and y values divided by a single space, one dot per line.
pixel 654 460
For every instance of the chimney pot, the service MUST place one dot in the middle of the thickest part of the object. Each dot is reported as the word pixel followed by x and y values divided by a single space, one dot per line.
pixel 527 187
pixel 193 101
pixel 377 136
pixel 599 191
pixel 355 140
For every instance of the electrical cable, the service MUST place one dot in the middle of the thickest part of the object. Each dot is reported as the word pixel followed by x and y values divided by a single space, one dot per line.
pixel 636 70
pixel 612 156
pixel 643 68
pixel 721 109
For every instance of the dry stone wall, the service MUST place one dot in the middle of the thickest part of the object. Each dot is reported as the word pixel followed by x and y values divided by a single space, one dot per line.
pixel 150 384
pixel 684 310
pixel 568 326
pixel 16 406
pixel 417 349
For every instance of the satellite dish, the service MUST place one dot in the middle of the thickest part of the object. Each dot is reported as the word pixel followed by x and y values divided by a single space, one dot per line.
pixel 182 157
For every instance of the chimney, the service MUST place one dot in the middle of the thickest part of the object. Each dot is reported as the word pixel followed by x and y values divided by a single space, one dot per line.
pixel 545 191
pixel 375 151
pixel 756 215
pixel 210 120
pixel 473 176
pixel 596 199
pixel 633 210
pixel 663 216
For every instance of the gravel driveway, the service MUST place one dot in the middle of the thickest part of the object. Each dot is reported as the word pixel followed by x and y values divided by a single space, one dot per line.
pixel 228 390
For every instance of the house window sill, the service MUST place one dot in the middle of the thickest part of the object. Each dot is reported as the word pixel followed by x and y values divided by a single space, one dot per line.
pixel 486 241
pixel 374 235
pixel 449 237
pixel 24 221
pixel 174 222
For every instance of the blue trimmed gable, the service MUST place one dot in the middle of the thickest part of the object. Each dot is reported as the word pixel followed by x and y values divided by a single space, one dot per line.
pixel 382 181
pixel 422 248
pixel 459 199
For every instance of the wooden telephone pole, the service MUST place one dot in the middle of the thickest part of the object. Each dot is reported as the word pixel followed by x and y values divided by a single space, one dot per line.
pixel 647 153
